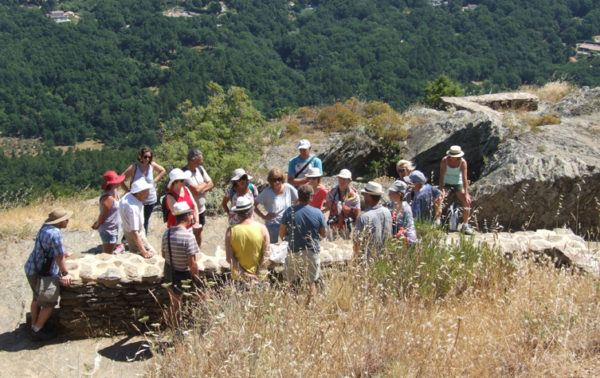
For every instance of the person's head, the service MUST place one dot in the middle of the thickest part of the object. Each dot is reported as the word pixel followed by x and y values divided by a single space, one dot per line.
pixel 455 153
pixel 59 217
pixel 416 179
pixel 239 179
pixel 177 179
pixel 111 180
pixel 145 155
pixel 397 191
pixel 141 189
pixel 243 208
pixel 344 179
pixel 183 213
pixel 304 148
pixel 305 193
pixel 275 178
pixel 404 168
pixel 314 176
pixel 372 193
pixel 195 158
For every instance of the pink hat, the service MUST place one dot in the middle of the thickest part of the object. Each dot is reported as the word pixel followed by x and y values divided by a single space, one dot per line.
pixel 111 177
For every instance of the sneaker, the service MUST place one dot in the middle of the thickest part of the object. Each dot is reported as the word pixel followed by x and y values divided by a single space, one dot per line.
pixel 466 229
pixel 120 248
pixel 42 335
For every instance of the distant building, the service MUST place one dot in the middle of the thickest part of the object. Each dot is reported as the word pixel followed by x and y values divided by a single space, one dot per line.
pixel 469 7
pixel 59 16
pixel 588 48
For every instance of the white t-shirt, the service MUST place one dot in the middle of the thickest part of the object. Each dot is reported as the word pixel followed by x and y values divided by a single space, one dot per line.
pixel 199 176
pixel 131 211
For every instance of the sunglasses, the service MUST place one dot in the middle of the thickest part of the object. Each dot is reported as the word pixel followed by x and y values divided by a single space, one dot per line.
pixel 147 157
pixel 275 179
pixel 402 170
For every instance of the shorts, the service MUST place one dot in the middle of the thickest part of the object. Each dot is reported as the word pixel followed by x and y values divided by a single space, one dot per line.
pixel 33 284
pixel 131 242
pixel 202 219
pixel 273 229
pixel 455 188
pixel 108 238
pixel 179 279
pixel 303 264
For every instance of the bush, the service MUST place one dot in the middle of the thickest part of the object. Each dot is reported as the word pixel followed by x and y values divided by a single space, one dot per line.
pixel 442 86
pixel 548 119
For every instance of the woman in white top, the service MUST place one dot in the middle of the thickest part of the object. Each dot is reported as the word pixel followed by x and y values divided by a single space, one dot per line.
pixel 275 198
pixel 145 168
pixel 453 177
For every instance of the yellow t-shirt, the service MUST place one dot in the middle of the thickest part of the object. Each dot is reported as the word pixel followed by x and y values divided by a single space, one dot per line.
pixel 246 243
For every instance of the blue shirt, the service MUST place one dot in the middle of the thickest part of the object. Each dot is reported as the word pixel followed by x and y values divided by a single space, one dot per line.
pixel 296 164
pixel 48 239
pixel 303 224
pixel 423 202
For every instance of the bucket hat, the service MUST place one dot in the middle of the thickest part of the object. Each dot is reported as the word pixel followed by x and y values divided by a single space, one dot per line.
pixel 373 188
pixel 178 174
pixel 58 215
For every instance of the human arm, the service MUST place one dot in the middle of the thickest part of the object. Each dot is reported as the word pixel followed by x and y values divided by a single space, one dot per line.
pixel 137 239
pixel 264 253
pixel 193 265
pixel 62 267
pixel 106 203
pixel 158 168
pixel 224 203
pixel 442 174
pixel 129 172
pixel 282 231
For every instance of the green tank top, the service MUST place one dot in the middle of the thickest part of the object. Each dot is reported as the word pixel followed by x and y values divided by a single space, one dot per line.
pixel 453 176
pixel 246 242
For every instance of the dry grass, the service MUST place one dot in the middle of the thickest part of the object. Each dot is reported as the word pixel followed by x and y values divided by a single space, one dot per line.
pixel 535 321
pixel 18 222
pixel 552 92
pixel 85 145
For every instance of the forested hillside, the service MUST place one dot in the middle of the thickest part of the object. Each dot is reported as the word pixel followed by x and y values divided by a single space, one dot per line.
pixel 122 66
pixel 115 70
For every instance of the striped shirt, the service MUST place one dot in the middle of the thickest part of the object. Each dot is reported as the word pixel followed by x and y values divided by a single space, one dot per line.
pixel 183 244
pixel 49 239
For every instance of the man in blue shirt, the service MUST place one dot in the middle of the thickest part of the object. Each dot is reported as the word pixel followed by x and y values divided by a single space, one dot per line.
pixel 424 197
pixel 47 259
pixel 303 226
pixel 298 166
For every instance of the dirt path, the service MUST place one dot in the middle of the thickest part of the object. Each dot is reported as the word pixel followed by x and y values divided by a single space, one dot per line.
pixel 100 357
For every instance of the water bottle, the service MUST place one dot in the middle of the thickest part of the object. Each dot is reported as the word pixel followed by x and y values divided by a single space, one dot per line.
pixel 453 222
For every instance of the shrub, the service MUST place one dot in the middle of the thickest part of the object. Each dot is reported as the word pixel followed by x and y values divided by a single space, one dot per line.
pixel 338 117
pixel 442 86
pixel 547 119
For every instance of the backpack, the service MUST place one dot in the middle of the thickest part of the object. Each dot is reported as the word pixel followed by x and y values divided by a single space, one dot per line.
pixel 231 190
pixel 164 208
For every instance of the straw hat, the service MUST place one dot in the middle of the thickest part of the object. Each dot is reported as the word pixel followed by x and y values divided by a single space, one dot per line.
pixel 242 203
pixel 373 188
pixel 239 173
pixel 313 172
pixel 455 151
pixel 345 173
pixel 178 174
pixel 58 215
pixel 181 208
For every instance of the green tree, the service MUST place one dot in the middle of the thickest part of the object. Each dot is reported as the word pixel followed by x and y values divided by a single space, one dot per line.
pixel 229 131
pixel 442 86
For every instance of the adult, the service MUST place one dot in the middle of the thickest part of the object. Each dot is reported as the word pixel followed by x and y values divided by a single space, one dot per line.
pixel 246 244
pixel 199 184
pixel 178 192
pixel 108 222
pixel 453 177
pixel 426 198
pixel 298 166
pixel 343 202
pixel 179 249
pixel 314 179
pixel 275 198
pixel 403 224
pixel 404 168
pixel 374 225
pixel 145 168
pixel 132 215
pixel 240 187
pixel 47 259
pixel 303 226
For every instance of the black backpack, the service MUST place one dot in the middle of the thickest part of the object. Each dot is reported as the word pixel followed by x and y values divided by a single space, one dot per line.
pixel 163 206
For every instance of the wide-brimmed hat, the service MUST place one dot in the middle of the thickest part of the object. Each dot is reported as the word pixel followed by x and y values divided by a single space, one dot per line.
pixel 111 177
pixel 455 151
pixel 239 173
pixel 181 208
pixel 303 144
pixel 313 172
pixel 242 203
pixel 345 173
pixel 178 174
pixel 416 176
pixel 373 188
pixel 398 186
pixel 140 185
pixel 58 215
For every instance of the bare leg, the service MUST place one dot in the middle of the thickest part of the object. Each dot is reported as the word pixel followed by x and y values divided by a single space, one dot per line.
pixel 34 311
pixel 198 235
pixel 466 206
pixel 43 316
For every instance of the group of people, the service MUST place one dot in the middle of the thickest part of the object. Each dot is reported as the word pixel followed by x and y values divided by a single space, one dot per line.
pixel 292 209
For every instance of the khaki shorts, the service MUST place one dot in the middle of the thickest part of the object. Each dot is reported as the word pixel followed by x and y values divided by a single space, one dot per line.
pixel 131 242
pixel 33 284
pixel 301 265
